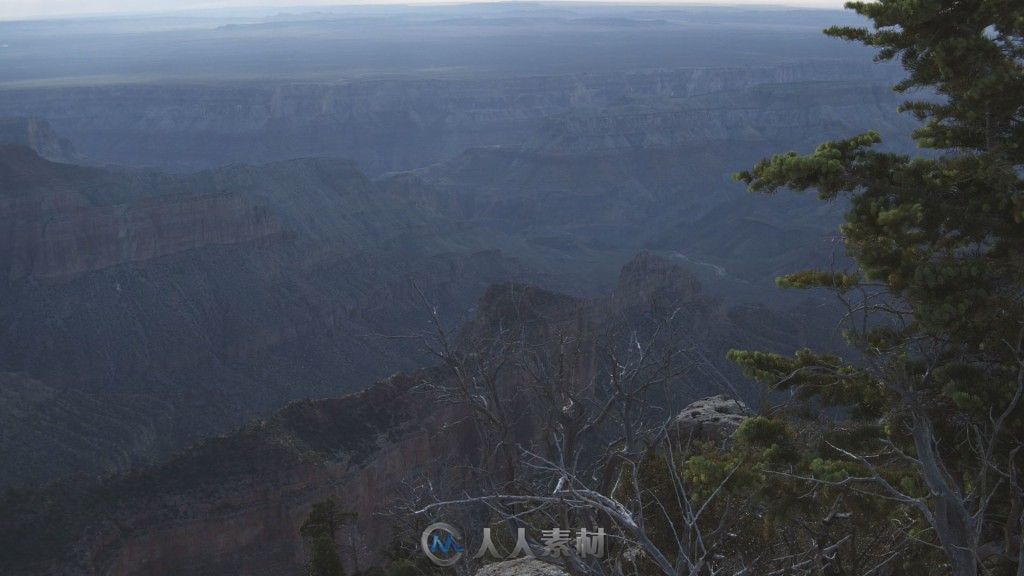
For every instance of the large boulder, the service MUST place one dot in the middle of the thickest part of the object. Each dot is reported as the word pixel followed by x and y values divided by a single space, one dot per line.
pixel 521 567
pixel 714 418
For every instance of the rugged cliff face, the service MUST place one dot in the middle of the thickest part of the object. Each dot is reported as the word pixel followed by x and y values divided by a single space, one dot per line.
pixel 234 504
pixel 401 124
pixel 653 169
pixel 210 298
pixel 186 305
pixel 67 239
pixel 230 505
pixel 36 134
pixel 786 108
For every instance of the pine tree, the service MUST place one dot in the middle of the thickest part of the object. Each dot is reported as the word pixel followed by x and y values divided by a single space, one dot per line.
pixel 934 301
pixel 319 530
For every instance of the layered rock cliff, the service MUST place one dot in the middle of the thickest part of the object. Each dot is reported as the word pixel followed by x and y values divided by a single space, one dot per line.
pixel 55 233
pixel 186 305
pixel 234 504
pixel 406 123
pixel 221 295
pixel 36 134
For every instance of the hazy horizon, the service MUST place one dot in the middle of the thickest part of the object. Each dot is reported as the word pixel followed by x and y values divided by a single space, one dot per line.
pixel 54 9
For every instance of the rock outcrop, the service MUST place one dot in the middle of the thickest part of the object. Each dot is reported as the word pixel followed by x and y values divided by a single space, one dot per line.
pixel 36 134
pixel 714 418
pixel 521 567
pixel 650 280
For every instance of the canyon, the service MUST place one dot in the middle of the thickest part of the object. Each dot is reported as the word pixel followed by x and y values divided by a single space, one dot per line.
pixel 229 243
pixel 234 504
pixel 209 303
pixel 403 124
pixel 214 296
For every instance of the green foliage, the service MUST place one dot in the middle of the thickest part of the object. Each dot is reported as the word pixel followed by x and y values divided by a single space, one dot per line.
pixel 969 52
pixel 766 508
pixel 819 279
pixel 944 233
pixel 829 168
pixel 319 530
pixel 812 375
pixel 762 431
pixel 324 560
pixel 939 240
pixel 829 470
pixel 773 435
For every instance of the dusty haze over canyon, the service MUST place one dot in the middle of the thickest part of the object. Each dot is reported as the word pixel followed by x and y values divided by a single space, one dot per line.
pixel 242 248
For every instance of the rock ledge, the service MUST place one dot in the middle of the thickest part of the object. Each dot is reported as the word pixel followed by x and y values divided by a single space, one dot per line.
pixel 521 567
pixel 713 418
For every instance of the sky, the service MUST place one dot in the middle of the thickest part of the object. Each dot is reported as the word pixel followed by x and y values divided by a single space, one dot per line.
pixel 26 9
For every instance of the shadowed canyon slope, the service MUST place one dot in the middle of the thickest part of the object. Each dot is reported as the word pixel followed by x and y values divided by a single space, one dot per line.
pixel 212 297
pixel 234 504
pixel 200 301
